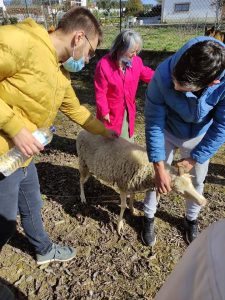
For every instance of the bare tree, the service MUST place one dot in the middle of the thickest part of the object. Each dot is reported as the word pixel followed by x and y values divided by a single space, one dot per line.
pixel 219 6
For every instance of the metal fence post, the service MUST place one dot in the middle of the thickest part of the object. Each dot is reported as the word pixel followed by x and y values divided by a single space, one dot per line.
pixel 120 15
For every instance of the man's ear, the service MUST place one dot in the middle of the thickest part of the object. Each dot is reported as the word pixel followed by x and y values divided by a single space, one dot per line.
pixel 216 81
pixel 78 37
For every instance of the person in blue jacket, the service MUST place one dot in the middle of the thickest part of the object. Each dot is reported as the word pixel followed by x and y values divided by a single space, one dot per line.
pixel 185 109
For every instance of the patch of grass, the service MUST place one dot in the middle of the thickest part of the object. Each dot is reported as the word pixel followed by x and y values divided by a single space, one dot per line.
pixel 159 39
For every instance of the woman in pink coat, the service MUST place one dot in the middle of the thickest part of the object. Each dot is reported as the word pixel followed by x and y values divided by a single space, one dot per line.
pixel 116 80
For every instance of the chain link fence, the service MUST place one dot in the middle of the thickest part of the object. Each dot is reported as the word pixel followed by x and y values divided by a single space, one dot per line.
pixel 164 26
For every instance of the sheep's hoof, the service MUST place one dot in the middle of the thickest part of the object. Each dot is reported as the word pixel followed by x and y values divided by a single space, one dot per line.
pixel 119 227
pixel 83 199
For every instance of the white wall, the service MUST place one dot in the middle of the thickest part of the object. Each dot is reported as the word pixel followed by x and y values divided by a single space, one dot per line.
pixel 200 11
pixel 79 2
pixel 2 5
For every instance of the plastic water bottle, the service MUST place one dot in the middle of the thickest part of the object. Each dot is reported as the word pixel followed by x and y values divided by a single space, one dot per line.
pixel 14 159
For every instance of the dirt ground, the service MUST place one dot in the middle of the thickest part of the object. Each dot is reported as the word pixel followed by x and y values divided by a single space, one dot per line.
pixel 107 266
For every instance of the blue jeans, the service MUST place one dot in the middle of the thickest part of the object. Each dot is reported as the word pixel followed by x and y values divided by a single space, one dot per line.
pixel 21 192
pixel 199 172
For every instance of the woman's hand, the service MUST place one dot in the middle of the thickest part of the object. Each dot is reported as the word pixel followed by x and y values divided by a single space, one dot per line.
pixel 106 118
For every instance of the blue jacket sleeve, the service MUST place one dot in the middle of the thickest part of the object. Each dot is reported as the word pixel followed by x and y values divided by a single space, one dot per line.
pixel 155 115
pixel 214 137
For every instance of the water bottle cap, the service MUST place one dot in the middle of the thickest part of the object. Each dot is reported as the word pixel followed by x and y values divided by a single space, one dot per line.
pixel 52 129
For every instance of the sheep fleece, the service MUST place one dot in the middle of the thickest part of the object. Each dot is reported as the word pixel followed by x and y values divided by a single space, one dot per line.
pixel 115 161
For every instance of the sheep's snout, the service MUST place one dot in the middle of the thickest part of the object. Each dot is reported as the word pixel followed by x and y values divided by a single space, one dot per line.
pixel 183 184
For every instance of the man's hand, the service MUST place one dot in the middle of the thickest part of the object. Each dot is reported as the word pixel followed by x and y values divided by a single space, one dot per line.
pixel 111 134
pixel 26 143
pixel 185 165
pixel 162 178
pixel 106 118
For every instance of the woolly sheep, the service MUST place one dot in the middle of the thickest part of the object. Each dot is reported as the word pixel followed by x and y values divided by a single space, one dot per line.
pixel 126 165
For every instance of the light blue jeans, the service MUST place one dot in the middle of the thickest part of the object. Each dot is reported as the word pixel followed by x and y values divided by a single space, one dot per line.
pixel 199 172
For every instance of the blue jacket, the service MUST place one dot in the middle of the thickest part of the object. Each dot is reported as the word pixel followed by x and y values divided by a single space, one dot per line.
pixel 182 113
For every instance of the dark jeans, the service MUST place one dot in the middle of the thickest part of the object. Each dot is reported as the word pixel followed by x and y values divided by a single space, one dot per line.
pixel 21 192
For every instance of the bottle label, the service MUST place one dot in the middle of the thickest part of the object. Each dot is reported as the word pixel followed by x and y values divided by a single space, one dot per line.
pixel 40 137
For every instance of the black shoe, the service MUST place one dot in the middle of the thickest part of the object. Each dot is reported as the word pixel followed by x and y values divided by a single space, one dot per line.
pixel 191 228
pixel 148 234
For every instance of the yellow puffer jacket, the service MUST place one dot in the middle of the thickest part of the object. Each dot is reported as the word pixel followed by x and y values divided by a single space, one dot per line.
pixel 32 86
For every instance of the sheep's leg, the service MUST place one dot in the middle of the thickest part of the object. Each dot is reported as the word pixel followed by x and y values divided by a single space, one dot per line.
pixel 82 195
pixel 84 175
pixel 133 210
pixel 123 197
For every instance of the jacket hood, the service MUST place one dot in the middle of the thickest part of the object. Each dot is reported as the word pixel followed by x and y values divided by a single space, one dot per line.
pixel 38 31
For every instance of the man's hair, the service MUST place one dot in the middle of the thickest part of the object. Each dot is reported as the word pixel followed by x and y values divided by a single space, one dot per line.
pixel 200 64
pixel 123 42
pixel 80 18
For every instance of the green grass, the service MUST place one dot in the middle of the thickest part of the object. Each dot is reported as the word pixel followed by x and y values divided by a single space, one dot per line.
pixel 159 39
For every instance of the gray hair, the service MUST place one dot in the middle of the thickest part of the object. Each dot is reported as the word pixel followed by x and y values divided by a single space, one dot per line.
pixel 123 42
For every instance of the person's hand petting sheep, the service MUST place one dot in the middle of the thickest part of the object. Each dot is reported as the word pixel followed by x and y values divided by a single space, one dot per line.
pixel 185 165
pixel 111 134
pixel 162 178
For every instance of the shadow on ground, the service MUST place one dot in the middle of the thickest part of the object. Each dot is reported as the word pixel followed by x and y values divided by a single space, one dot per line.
pixel 6 295
pixel 63 186
pixel 216 174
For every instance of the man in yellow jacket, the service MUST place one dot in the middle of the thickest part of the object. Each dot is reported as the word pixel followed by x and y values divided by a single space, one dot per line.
pixel 33 87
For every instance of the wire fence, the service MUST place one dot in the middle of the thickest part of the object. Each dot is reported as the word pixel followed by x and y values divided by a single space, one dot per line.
pixel 165 26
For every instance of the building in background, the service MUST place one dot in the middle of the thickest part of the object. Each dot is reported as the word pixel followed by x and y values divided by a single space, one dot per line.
pixel 79 2
pixel 190 11
pixel 2 5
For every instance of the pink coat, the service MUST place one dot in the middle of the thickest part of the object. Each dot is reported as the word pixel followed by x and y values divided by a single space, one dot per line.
pixel 116 91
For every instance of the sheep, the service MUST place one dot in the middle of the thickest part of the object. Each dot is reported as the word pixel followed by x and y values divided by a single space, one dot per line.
pixel 126 166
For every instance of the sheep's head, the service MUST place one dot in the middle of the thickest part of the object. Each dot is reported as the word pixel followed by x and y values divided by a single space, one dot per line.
pixel 183 185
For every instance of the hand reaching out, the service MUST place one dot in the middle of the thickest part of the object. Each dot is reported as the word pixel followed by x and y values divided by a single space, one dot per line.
pixel 111 134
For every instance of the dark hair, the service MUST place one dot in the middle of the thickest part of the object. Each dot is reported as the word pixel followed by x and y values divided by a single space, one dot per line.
pixel 124 40
pixel 200 64
pixel 80 18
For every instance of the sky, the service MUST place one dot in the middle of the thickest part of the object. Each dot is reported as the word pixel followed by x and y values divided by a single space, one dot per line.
pixel 149 2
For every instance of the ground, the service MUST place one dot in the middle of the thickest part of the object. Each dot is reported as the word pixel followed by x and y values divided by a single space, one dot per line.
pixel 107 266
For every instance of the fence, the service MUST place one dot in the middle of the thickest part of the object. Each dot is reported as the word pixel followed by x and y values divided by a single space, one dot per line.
pixel 163 27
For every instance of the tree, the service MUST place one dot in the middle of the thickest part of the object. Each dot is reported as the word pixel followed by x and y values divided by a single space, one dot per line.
pixel 107 4
pixel 134 7
pixel 89 3
pixel 219 9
